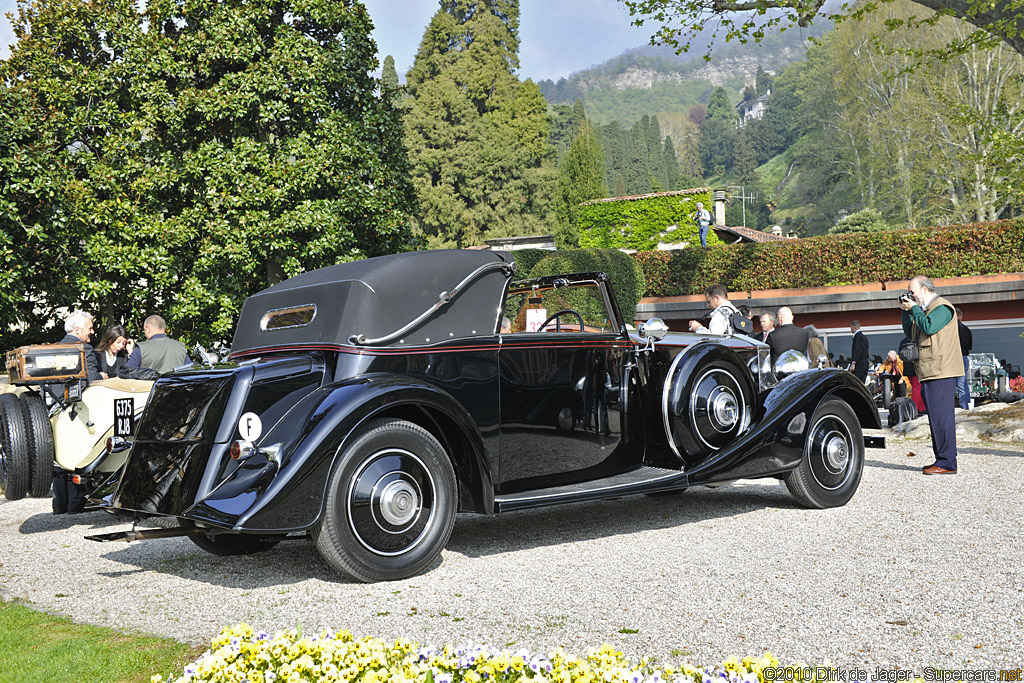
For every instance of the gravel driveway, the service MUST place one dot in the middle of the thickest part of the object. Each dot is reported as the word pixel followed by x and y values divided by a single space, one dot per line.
pixel 916 571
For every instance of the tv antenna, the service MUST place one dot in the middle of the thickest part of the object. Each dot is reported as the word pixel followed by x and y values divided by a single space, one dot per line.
pixel 739 192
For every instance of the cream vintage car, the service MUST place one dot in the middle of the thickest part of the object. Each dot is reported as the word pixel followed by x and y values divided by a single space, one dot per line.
pixel 54 422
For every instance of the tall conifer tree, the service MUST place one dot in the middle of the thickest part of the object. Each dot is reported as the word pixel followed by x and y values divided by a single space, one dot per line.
pixel 580 179
pixel 477 136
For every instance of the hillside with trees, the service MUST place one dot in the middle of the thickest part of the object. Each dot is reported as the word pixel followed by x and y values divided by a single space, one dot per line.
pixel 858 123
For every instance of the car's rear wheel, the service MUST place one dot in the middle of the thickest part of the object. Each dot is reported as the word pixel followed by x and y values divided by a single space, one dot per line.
pixel 40 444
pixel 14 461
pixel 233 544
pixel 833 460
pixel 391 503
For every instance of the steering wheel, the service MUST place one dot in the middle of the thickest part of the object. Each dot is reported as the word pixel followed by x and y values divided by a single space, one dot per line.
pixel 558 322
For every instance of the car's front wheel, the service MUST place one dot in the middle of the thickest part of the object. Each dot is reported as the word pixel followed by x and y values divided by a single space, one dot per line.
pixel 391 503
pixel 833 459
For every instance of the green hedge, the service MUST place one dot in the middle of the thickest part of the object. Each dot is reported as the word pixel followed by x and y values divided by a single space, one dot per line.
pixel 638 223
pixel 526 259
pixel 955 251
pixel 626 275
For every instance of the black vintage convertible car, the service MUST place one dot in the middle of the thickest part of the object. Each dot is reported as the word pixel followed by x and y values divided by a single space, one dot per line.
pixel 367 403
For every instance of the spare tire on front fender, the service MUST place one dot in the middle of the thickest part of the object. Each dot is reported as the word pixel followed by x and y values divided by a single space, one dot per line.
pixel 707 400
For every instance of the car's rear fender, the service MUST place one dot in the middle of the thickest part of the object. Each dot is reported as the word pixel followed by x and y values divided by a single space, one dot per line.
pixel 259 495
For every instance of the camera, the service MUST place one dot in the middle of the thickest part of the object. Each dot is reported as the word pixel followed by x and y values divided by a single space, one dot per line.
pixel 907 297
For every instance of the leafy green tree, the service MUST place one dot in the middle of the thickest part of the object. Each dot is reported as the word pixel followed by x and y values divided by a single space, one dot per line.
pixel 744 162
pixel 564 124
pixel 638 176
pixel 682 21
pixel 61 108
pixel 478 138
pixel 673 179
pixel 717 134
pixel 917 144
pixel 388 74
pixel 580 179
pixel 191 155
pixel 614 140
pixel 763 81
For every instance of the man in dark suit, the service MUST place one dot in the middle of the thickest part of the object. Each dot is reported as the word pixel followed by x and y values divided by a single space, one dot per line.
pixel 859 364
pixel 79 328
pixel 67 495
pixel 787 337
pixel 768 321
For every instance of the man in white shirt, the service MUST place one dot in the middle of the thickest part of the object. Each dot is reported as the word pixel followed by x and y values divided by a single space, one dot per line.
pixel 721 310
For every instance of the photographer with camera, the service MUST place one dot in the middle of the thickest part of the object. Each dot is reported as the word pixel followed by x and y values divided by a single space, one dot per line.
pixel 930 321
pixel 702 217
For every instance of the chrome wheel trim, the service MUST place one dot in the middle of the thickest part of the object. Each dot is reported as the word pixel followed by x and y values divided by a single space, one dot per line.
pixel 666 392
pixel 722 408
pixel 830 452
pixel 390 502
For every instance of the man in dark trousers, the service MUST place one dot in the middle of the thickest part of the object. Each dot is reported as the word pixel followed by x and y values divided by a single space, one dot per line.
pixel 159 351
pixel 930 321
pixel 67 495
pixel 963 385
pixel 859 353
pixel 787 336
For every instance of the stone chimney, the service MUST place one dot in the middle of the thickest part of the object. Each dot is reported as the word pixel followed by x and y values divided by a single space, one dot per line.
pixel 719 207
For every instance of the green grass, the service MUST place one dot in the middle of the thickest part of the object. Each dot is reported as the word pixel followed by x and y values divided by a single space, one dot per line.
pixel 41 648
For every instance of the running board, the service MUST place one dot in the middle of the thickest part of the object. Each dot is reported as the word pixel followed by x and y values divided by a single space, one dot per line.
pixel 144 534
pixel 641 480
pixel 874 442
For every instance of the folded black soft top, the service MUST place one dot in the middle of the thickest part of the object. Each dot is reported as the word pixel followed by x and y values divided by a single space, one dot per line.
pixel 365 302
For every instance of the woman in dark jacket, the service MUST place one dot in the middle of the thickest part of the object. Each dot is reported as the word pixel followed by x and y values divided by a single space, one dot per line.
pixel 115 351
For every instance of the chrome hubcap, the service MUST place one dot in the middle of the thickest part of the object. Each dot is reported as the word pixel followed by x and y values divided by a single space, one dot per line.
pixel 724 408
pixel 399 501
pixel 837 453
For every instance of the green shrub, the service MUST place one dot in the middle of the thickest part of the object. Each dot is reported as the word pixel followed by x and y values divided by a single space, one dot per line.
pixel 526 259
pixel 865 220
pixel 639 223
pixel 955 251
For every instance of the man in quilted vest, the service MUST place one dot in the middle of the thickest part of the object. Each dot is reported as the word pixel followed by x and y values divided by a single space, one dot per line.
pixel 930 321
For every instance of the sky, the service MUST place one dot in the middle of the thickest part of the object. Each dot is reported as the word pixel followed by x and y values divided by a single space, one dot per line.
pixel 557 37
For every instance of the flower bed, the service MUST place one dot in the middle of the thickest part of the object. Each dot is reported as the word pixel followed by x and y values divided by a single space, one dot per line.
pixel 241 654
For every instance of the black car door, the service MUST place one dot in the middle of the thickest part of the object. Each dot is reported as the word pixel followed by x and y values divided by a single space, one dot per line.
pixel 560 387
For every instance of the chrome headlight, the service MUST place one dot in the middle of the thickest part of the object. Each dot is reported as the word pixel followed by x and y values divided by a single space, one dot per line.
pixel 790 362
